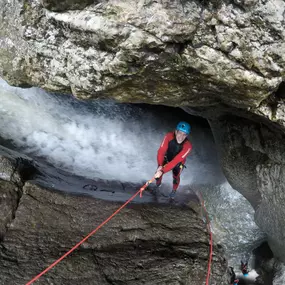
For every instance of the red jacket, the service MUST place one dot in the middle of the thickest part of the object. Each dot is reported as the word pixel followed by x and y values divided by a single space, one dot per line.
pixel 186 148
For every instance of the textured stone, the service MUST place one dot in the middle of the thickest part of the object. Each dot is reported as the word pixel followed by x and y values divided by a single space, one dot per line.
pixel 218 57
pixel 14 167
pixel 9 196
pixel 179 53
pixel 253 160
pixel 14 170
pixel 145 244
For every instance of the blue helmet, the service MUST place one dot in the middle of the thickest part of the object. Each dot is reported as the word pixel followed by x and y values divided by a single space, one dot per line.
pixel 184 127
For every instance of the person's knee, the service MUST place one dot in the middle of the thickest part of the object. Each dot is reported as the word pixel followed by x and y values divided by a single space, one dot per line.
pixel 176 171
pixel 176 180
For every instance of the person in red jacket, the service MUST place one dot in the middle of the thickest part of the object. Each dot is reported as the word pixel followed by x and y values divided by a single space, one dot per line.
pixel 172 154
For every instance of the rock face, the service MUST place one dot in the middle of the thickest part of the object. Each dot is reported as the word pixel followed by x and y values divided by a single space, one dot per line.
pixel 9 196
pixel 66 4
pixel 13 171
pixel 179 53
pixel 253 160
pixel 144 244
pixel 209 55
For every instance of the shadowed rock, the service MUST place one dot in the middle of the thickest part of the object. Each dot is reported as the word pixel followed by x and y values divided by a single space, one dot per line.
pixel 54 5
pixel 14 169
pixel 144 244
pixel 9 196
pixel 252 157
pixel 149 242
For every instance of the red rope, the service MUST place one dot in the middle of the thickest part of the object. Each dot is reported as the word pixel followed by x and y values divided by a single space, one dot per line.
pixel 93 232
pixel 108 219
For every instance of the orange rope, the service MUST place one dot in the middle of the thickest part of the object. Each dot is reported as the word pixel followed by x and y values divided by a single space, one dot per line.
pixel 93 232
pixel 108 219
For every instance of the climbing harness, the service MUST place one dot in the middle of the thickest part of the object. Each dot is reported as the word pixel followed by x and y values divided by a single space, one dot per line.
pixel 140 191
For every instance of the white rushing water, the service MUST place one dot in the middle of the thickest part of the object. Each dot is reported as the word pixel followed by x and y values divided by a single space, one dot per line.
pixel 232 220
pixel 96 139
pixel 102 139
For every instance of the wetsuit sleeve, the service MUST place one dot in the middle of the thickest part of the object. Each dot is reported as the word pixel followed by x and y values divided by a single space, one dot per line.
pixel 163 148
pixel 180 157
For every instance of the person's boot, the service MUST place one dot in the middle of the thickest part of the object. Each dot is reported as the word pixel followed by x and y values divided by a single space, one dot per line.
pixel 172 194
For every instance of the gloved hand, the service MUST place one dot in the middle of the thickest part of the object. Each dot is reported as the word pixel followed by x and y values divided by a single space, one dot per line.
pixel 159 168
pixel 158 172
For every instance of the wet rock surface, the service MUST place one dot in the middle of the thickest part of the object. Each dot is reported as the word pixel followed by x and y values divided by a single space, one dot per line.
pixel 145 244
pixel 14 168
pixel 252 157
pixel 215 57
pixel 9 196
pixel 151 241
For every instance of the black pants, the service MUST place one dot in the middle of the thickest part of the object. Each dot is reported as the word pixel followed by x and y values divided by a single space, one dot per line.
pixel 176 171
